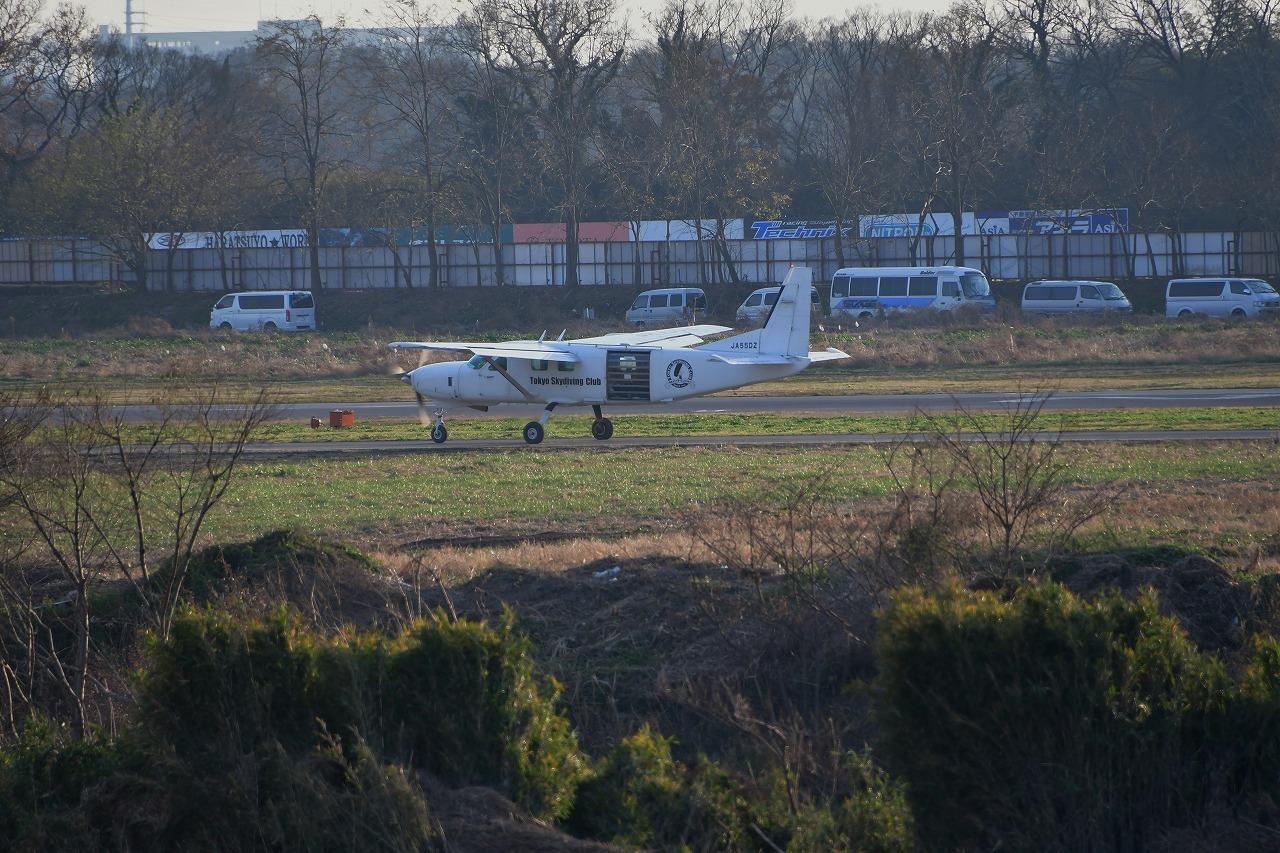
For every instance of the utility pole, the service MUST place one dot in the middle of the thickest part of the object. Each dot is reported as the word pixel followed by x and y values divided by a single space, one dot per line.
pixel 128 21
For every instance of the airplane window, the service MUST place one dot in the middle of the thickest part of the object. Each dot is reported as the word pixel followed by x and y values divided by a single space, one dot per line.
pixel 499 363
pixel 537 364
pixel 564 366
pixel 475 362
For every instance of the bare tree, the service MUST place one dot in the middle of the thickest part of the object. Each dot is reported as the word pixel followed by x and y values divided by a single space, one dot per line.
pixel 1010 463
pixel 407 67
pixel 718 82
pixel 562 54
pixel 845 143
pixel 45 86
pixel 104 501
pixel 960 104
pixel 306 113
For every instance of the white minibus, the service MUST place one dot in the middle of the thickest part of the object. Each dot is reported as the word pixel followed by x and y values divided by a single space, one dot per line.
pixel 267 310
pixel 1073 297
pixel 867 291
pixel 1220 297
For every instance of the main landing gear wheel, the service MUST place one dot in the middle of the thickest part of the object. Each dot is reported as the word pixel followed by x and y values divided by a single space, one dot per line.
pixel 602 429
pixel 533 432
pixel 439 434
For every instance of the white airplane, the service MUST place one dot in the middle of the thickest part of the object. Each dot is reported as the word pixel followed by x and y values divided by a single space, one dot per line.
pixel 654 366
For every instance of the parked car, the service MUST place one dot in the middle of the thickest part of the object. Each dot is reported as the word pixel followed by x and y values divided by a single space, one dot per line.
pixel 667 306
pixel 265 310
pixel 1073 297
pixel 1220 297
pixel 756 307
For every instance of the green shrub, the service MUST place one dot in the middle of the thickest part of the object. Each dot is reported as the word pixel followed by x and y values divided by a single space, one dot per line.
pixel 873 817
pixel 458 699
pixel 464 701
pixel 43 780
pixel 640 798
pixel 1045 722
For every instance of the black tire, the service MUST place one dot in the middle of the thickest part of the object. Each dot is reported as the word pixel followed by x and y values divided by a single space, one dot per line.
pixel 439 434
pixel 226 327
pixel 1185 312
pixel 1238 313
pixel 866 315
pixel 640 324
pixel 533 433
pixel 268 326
pixel 602 429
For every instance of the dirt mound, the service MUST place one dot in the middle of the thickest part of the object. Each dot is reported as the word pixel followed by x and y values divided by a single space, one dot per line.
pixel 330 582
pixel 1209 603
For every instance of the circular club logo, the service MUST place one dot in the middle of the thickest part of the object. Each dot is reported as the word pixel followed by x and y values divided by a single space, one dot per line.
pixel 679 373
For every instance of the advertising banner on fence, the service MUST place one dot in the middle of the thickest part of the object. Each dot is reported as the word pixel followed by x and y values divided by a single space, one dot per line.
pixel 799 229
pixel 295 238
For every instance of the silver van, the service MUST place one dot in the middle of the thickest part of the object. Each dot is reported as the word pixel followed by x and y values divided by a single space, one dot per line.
pixel 1073 297
pixel 756 307
pixel 265 310
pixel 667 306
pixel 1220 297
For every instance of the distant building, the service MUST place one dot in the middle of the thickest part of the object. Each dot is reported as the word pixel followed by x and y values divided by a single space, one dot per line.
pixel 211 43
pixel 207 43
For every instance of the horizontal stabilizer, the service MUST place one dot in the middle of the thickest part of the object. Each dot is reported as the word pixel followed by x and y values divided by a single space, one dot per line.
pixel 829 354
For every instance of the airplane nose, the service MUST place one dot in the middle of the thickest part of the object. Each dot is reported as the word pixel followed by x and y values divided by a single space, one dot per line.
pixel 431 380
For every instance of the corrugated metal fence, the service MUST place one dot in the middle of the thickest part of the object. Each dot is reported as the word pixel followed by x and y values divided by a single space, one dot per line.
pixel 1110 257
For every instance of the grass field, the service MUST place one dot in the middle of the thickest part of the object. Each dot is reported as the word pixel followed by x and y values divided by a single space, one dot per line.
pixel 614 492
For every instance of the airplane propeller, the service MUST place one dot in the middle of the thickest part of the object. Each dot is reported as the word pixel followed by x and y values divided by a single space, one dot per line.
pixel 394 369
pixel 424 417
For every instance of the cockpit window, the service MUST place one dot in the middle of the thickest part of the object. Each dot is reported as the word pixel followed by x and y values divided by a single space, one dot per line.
pixel 475 362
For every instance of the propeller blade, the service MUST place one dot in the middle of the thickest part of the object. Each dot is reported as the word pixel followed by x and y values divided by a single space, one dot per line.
pixel 423 416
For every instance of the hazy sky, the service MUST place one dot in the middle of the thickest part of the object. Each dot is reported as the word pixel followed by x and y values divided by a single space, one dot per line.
pixel 159 16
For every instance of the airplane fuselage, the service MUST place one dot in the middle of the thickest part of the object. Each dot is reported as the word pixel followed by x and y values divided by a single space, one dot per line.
pixel 605 374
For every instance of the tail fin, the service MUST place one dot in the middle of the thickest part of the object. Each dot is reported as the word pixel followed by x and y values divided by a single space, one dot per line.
pixel 786 333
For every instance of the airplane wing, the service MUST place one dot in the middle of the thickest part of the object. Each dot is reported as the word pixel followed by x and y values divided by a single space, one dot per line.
pixel 537 350
pixel 678 336
pixel 830 354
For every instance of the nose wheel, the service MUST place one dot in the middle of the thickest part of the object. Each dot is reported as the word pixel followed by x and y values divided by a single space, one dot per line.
pixel 438 433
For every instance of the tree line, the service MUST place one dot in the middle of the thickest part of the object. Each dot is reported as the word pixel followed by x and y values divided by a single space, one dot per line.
pixel 502 111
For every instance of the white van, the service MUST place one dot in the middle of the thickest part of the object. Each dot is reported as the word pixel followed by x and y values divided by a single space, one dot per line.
pixel 868 291
pixel 1073 297
pixel 668 305
pixel 756 307
pixel 1220 297
pixel 268 310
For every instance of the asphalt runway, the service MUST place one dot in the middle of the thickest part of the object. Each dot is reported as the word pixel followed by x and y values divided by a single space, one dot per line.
pixel 853 405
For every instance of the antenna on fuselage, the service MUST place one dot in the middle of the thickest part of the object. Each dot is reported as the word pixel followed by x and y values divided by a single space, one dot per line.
pixel 562 334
